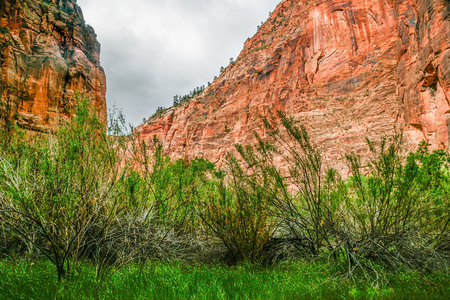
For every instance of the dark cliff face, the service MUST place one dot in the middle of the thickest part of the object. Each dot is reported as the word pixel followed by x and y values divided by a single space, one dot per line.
pixel 347 69
pixel 47 52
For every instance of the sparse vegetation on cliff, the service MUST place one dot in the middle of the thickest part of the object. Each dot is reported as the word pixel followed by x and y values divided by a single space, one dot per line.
pixel 4 30
pixel 177 100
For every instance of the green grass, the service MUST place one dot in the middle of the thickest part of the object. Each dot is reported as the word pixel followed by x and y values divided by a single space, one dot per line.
pixel 301 280
pixel 66 196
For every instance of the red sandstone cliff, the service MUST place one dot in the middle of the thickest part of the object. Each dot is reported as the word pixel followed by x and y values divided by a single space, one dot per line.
pixel 47 52
pixel 347 69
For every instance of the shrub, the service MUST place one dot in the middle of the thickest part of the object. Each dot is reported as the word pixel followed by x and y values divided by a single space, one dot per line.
pixel 80 194
pixel 307 204
pixel 238 212
pixel 395 218
pixel 393 211
pixel 73 195
pixel 60 187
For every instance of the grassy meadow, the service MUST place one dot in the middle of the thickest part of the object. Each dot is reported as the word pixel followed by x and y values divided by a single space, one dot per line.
pixel 87 215
pixel 176 280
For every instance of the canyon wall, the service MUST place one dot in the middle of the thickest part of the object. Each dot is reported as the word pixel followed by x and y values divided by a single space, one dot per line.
pixel 346 69
pixel 47 53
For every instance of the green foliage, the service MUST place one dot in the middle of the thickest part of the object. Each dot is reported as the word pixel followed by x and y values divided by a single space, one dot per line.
pixel 48 32
pixel 387 199
pixel 399 208
pixel 48 4
pixel 4 30
pixel 177 100
pixel 54 188
pixel 393 211
pixel 79 194
pixel 239 212
pixel 72 195
pixel 172 187
pixel 307 205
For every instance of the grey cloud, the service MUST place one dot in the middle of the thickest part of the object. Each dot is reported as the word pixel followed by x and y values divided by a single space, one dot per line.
pixel 153 49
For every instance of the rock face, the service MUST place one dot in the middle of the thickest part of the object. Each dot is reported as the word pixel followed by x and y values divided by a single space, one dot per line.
pixel 47 52
pixel 347 69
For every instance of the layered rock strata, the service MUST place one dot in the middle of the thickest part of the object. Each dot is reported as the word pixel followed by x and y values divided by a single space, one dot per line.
pixel 47 53
pixel 346 69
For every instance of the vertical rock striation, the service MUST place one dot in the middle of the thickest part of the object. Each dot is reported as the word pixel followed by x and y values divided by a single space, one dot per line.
pixel 47 52
pixel 348 69
pixel 423 70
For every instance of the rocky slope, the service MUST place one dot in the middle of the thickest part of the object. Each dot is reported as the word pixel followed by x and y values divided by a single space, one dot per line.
pixel 348 69
pixel 47 52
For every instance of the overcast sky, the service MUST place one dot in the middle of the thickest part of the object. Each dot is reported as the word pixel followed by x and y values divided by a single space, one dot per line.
pixel 155 49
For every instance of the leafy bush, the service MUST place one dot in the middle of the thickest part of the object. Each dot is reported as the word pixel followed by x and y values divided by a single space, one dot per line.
pixel 393 211
pixel 59 187
pixel 81 194
pixel 307 203
pixel 395 217
pixel 73 195
pixel 238 212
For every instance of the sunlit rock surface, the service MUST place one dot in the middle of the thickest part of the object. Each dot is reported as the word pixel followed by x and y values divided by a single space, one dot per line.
pixel 346 69
pixel 47 52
